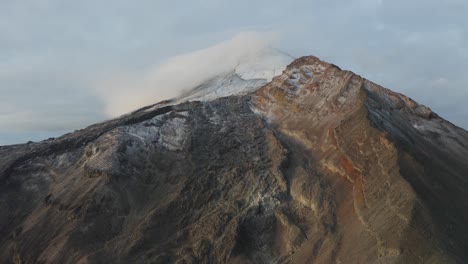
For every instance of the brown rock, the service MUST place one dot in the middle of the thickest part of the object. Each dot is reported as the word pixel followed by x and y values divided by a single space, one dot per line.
pixel 317 166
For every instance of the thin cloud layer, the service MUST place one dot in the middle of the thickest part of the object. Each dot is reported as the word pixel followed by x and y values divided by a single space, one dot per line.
pixel 180 73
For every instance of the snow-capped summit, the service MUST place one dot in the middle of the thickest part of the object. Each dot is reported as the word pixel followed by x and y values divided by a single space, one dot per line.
pixel 267 64
pixel 250 73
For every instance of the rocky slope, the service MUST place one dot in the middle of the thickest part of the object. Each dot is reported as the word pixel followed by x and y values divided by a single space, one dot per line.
pixel 317 166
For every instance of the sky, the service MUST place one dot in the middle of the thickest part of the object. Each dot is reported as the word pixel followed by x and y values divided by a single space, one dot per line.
pixel 68 64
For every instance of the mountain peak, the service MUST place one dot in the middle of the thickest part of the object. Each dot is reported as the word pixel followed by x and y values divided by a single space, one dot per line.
pixel 250 73
pixel 318 165
pixel 265 64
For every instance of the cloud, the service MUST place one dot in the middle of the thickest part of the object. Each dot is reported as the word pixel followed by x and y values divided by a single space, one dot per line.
pixel 179 73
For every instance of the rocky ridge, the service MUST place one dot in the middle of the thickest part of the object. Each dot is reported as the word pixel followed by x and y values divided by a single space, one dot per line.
pixel 317 166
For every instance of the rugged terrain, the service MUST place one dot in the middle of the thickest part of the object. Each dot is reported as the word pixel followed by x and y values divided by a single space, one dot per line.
pixel 317 166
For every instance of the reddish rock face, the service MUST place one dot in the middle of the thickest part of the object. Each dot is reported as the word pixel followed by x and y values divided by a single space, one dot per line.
pixel 317 166
pixel 385 159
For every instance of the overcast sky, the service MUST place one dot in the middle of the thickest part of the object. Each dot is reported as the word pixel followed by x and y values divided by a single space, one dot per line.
pixel 61 60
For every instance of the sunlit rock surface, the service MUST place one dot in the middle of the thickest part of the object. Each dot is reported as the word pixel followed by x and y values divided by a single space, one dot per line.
pixel 317 166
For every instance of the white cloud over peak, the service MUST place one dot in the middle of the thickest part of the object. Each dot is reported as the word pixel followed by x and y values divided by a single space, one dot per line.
pixel 123 94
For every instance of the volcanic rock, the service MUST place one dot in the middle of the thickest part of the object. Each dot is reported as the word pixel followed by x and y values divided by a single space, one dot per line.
pixel 317 166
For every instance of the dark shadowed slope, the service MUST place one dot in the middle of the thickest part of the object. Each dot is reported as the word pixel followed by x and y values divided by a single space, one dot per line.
pixel 317 166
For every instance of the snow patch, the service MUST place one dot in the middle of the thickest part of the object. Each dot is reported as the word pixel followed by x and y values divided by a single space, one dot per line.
pixel 222 86
pixel 265 65
pixel 170 133
pixel 249 75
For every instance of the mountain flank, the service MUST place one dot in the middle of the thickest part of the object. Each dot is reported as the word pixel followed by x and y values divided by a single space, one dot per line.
pixel 318 165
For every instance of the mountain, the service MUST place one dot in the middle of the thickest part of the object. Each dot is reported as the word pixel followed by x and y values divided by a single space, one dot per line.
pixel 318 165
pixel 250 73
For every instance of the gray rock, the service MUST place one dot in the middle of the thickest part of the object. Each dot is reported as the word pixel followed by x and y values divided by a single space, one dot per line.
pixel 317 166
